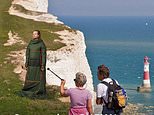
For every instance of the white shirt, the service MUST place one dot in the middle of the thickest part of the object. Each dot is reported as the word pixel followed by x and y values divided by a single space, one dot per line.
pixel 102 89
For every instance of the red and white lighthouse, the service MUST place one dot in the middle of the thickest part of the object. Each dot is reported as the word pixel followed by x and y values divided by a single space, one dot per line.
pixel 146 87
pixel 146 77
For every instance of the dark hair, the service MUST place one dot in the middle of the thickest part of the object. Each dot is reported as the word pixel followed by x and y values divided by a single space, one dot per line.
pixel 103 70
pixel 38 32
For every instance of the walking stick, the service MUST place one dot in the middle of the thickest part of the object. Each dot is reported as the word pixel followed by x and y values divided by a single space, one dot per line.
pixel 55 74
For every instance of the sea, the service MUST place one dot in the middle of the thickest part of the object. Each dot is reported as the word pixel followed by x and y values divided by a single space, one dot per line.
pixel 121 43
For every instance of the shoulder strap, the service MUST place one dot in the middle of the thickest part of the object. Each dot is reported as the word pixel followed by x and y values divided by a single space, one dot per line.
pixel 114 81
pixel 115 84
pixel 105 83
pixel 110 86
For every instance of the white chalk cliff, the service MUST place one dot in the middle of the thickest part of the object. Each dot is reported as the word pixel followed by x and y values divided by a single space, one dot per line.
pixel 67 61
pixel 33 5
pixel 38 7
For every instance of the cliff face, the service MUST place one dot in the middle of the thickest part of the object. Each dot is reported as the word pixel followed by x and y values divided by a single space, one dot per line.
pixel 67 61
pixel 33 5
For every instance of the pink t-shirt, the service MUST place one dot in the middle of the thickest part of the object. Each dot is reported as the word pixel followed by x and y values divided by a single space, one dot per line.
pixel 78 97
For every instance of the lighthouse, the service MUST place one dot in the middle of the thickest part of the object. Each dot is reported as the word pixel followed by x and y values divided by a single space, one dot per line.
pixel 146 87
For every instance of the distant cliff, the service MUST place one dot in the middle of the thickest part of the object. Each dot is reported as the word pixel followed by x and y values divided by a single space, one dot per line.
pixel 33 5
pixel 66 61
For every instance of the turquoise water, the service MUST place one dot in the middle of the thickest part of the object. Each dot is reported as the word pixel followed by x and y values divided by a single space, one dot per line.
pixel 120 43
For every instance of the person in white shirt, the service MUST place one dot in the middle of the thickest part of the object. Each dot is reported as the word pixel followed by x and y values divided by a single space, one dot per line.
pixel 103 74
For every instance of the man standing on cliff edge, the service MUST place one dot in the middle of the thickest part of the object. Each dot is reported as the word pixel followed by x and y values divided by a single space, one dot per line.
pixel 35 80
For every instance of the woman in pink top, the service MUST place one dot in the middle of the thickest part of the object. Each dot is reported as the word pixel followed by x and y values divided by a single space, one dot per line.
pixel 81 98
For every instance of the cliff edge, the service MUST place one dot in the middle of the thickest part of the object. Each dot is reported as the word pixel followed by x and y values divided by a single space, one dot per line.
pixel 66 61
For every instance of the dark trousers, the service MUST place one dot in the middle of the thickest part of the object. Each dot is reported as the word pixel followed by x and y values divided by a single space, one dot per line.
pixel 107 111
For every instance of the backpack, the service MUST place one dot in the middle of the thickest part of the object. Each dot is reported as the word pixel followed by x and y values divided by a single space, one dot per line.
pixel 117 98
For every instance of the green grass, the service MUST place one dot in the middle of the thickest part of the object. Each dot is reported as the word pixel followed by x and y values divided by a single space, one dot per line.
pixel 10 102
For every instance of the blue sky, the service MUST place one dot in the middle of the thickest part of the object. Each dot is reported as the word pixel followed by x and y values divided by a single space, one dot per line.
pixel 102 7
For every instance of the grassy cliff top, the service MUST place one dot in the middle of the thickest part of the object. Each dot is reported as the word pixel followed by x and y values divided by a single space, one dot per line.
pixel 10 102
pixel 24 27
